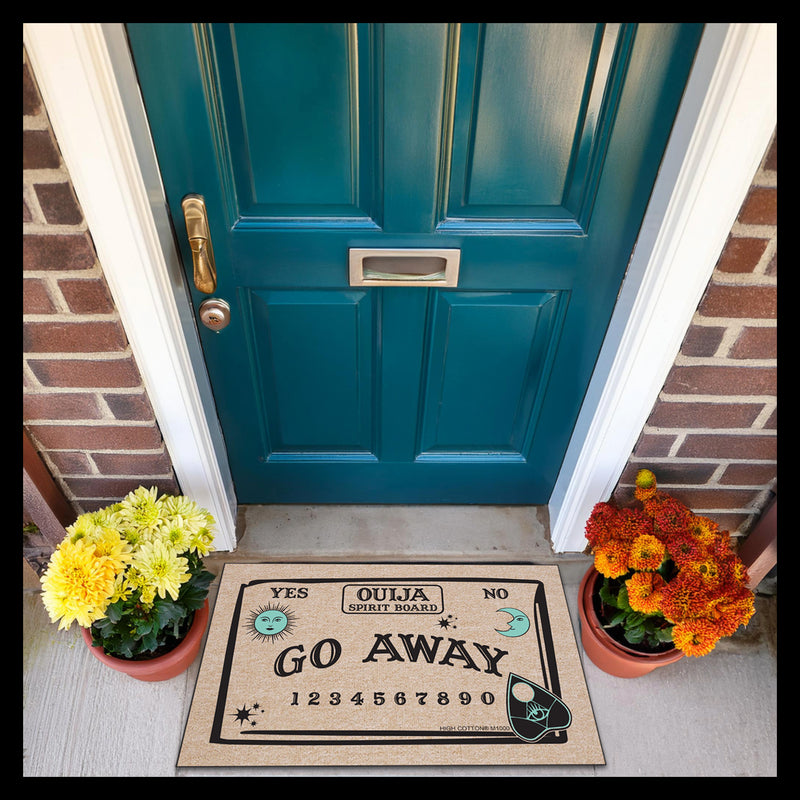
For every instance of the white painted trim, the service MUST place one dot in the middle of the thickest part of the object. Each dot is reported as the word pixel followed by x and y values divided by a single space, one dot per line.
pixel 117 184
pixel 723 128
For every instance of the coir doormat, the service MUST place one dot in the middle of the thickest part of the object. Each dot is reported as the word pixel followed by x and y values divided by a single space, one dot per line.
pixel 356 664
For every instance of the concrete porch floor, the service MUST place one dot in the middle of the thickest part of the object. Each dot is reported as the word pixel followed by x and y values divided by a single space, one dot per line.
pixel 709 717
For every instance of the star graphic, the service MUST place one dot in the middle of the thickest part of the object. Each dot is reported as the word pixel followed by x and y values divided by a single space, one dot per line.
pixel 242 714
pixel 447 622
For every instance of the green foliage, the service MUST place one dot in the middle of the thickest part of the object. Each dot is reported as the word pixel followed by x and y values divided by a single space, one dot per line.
pixel 637 628
pixel 134 630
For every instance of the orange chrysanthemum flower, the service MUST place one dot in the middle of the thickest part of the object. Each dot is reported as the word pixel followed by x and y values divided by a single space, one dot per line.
pixel 683 548
pixel 695 637
pixel 729 613
pixel 703 529
pixel 645 484
pixel 633 523
pixel 738 570
pixel 601 524
pixel 644 592
pixel 684 597
pixel 611 560
pixel 647 553
pixel 670 515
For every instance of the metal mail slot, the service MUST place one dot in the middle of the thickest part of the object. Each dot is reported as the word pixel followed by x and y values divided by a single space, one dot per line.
pixel 404 267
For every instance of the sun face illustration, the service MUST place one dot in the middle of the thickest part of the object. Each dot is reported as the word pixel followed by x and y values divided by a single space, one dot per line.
pixel 271 622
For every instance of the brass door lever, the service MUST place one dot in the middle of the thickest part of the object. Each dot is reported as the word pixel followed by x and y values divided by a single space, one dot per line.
pixel 205 270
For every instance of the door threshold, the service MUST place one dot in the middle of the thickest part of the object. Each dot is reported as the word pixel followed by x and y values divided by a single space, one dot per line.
pixel 447 533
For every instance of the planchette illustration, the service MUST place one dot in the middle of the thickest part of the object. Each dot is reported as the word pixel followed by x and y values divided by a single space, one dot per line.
pixel 533 711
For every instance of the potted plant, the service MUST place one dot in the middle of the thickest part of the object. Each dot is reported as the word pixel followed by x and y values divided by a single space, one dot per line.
pixel 665 584
pixel 131 575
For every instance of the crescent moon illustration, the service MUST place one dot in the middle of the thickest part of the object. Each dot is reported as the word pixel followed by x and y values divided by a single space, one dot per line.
pixel 519 623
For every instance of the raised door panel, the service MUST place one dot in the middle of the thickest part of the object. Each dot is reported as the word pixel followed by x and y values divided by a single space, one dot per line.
pixel 533 110
pixel 489 355
pixel 312 363
pixel 296 121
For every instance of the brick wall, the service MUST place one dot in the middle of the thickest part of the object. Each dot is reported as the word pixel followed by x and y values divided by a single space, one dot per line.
pixel 711 438
pixel 84 406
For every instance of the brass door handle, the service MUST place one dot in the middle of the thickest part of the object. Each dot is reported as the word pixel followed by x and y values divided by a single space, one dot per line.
pixel 205 270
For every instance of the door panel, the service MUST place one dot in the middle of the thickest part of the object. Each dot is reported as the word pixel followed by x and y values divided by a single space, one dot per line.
pixel 313 357
pixel 531 148
pixel 488 358
pixel 273 126
pixel 532 106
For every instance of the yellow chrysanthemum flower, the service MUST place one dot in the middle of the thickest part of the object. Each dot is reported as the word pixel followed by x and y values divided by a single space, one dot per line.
pixel 161 569
pixel 190 514
pixel 140 511
pixel 78 584
pixel 122 589
pixel 176 534
pixel 202 540
pixel 110 545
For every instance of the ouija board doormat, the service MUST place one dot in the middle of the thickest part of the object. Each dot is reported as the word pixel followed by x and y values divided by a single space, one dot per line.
pixel 378 664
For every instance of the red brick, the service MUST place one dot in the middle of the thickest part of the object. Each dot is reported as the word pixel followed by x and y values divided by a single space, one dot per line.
pixel 86 296
pixel 756 343
pixel 73 337
pixel 670 473
pixel 70 463
pixel 31 101
pixel 92 503
pixel 749 474
pixel 88 374
pixel 39 150
pixel 133 463
pixel 35 297
pixel 701 340
pixel 114 489
pixel 755 302
pixel 57 251
pixel 760 207
pixel 97 437
pixel 741 254
pixel 78 405
pixel 722 380
pixel 733 522
pixel 704 415
pixel 734 446
pixel 133 407
pixel 652 445
pixel 698 497
pixel 58 204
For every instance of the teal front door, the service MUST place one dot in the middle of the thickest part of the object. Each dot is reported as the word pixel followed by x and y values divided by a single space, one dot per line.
pixel 420 231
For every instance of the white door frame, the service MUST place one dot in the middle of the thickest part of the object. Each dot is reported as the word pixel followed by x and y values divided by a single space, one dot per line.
pixel 724 125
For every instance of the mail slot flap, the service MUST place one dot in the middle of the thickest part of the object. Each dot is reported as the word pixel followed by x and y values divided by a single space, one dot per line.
pixel 404 267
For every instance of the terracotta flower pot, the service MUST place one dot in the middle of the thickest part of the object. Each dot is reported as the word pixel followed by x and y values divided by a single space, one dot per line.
pixel 604 651
pixel 160 668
